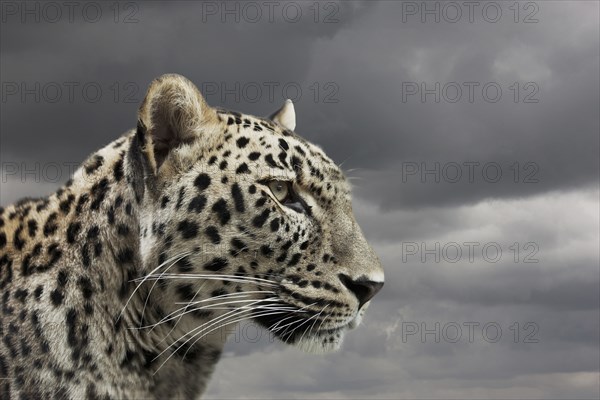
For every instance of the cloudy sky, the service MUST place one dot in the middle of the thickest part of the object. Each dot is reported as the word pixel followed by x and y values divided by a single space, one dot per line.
pixel 470 133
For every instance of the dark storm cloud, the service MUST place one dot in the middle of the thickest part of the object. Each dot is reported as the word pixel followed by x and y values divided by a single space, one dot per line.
pixel 181 39
pixel 353 72
pixel 377 126
pixel 366 71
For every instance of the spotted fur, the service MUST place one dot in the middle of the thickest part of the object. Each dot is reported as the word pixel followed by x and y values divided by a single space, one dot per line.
pixel 126 282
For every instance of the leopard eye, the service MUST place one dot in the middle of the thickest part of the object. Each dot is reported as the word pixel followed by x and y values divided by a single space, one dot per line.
pixel 280 189
pixel 284 193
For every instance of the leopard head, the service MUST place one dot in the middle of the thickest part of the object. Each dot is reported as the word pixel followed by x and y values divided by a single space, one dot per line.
pixel 246 220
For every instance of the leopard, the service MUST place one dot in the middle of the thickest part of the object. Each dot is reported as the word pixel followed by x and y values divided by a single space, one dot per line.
pixel 126 282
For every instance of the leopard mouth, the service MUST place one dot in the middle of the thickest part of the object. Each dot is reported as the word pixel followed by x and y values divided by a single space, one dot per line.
pixel 287 326
pixel 290 324
pixel 303 329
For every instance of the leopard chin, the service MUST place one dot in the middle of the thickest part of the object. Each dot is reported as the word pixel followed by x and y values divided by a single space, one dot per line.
pixel 322 342
pixel 328 340
pixel 295 329
pixel 302 334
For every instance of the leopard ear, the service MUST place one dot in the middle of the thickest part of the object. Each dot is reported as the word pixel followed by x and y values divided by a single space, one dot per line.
pixel 285 116
pixel 173 112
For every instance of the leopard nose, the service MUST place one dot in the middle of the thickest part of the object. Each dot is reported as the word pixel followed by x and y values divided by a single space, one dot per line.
pixel 363 289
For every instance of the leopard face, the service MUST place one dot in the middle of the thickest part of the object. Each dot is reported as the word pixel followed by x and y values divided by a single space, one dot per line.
pixel 248 221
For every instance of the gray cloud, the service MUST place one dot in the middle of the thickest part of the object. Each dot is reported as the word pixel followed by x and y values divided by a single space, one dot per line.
pixel 362 62
pixel 353 74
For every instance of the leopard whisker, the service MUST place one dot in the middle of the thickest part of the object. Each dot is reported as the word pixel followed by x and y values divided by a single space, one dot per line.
pixel 179 313
pixel 313 324
pixel 324 317
pixel 179 319
pixel 232 322
pixel 355 178
pixel 210 276
pixel 167 334
pixel 236 312
pixel 153 285
pixel 230 278
pixel 301 310
pixel 183 344
pixel 227 316
pixel 214 320
pixel 228 295
pixel 218 306
pixel 276 324
pixel 177 258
